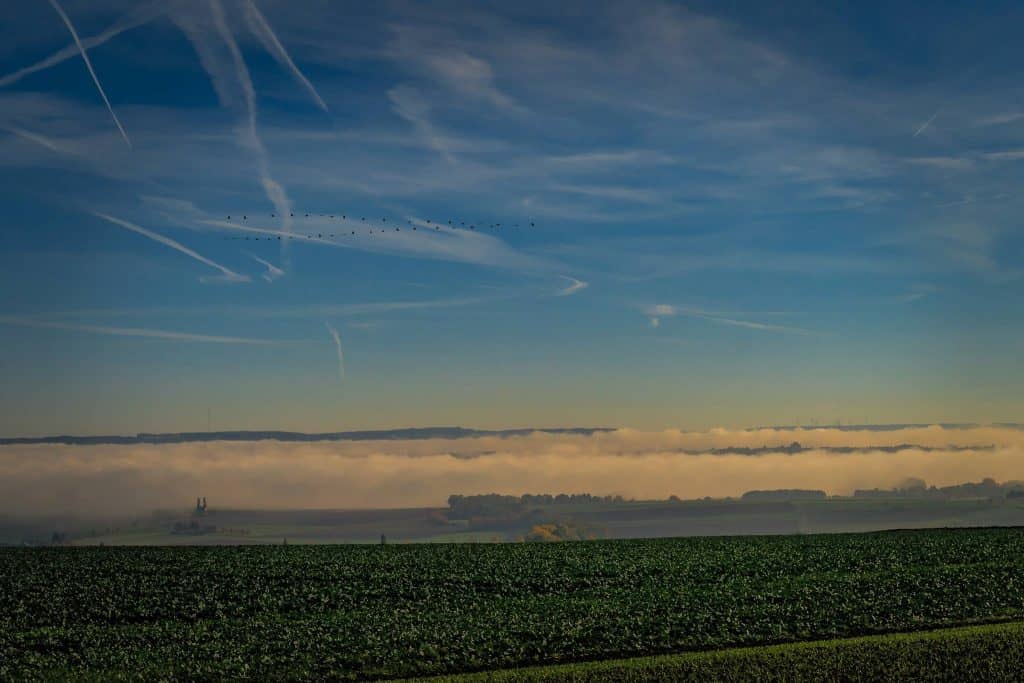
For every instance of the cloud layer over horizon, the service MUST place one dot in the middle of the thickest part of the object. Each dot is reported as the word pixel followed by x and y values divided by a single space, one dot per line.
pixel 111 480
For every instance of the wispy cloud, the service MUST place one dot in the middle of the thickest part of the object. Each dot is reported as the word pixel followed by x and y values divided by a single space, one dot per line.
pixel 337 345
pixel 411 106
pixel 574 286
pixel 605 158
pixel 229 275
pixel 88 65
pixel 1007 155
pixel 916 292
pixel 1000 119
pixel 973 247
pixel 611 192
pixel 136 332
pixel 261 27
pixel 946 163
pixel 450 65
pixel 137 17
pixel 272 272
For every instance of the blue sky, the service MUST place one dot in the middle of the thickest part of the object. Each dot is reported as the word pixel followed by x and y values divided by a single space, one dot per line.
pixel 743 214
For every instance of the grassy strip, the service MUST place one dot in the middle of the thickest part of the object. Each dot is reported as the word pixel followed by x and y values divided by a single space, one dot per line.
pixel 993 652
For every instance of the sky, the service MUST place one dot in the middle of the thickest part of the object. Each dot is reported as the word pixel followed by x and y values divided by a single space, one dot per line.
pixel 711 214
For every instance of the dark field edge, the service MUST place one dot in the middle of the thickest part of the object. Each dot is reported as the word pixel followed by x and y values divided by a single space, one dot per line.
pixel 990 652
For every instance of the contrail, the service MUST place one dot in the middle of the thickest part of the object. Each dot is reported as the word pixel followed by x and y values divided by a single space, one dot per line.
pixel 129 21
pixel 273 272
pixel 135 332
pixel 259 25
pixel 925 124
pixel 659 311
pixel 337 345
pixel 33 137
pixel 752 325
pixel 575 286
pixel 271 231
pixel 229 274
pixel 88 64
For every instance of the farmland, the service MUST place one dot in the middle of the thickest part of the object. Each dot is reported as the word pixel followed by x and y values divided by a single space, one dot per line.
pixel 357 612
pixel 993 652
pixel 626 519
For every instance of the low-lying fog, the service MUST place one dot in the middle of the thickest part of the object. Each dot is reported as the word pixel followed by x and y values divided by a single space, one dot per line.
pixel 110 480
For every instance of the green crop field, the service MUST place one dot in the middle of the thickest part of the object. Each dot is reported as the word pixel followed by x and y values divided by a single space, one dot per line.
pixel 357 612
pixel 993 652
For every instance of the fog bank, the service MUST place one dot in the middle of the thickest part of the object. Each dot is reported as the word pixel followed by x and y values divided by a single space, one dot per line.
pixel 106 480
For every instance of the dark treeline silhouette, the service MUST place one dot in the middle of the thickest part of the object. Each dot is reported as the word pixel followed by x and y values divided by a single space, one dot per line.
pixel 917 488
pixel 494 505
pixel 784 494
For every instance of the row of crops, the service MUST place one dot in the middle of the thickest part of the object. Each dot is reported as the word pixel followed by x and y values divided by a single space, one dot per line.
pixel 356 612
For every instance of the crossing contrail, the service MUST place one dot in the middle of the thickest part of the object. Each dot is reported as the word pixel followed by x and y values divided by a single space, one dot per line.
pixel 259 25
pixel 250 134
pixel 131 20
pixel 88 64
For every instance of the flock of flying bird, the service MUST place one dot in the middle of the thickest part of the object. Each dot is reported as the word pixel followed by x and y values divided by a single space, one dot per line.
pixel 382 227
